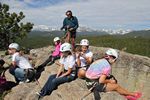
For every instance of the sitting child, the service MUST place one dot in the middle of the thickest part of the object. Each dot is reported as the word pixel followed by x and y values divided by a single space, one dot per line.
pixel 20 65
pixel 84 58
pixel 55 55
pixel 66 73
pixel 100 69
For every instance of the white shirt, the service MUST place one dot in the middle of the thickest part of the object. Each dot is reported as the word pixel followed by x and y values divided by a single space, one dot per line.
pixel 88 53
pixel 68 62
pixel 21 61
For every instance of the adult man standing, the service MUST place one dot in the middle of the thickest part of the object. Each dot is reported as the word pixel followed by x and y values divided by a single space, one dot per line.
pixel 70 24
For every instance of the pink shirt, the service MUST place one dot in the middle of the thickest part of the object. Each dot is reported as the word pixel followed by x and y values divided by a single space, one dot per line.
pixel 57 52
pixel 98 68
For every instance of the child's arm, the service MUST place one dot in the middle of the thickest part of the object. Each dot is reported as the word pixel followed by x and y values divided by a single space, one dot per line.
pixel 59 71
pixel 58 63
pixel 78 60
pixel 88 59
pixel 67 73
pixel 103 79
pixel 14 63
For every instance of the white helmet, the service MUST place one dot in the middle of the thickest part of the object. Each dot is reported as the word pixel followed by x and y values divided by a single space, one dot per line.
pixel 84 42
pixel 65 47
pixel 14 45
pixel 112 52
pixel 56 39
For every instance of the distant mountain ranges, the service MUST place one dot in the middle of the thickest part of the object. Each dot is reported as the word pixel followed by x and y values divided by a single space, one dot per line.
pixel 43 30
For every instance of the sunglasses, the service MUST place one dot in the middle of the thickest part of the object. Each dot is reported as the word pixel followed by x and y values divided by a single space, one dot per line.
pixel 68 14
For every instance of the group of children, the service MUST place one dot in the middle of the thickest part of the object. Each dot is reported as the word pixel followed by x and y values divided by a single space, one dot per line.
pixel 73 63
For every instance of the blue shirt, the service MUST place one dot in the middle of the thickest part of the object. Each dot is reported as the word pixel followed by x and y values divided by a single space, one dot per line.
pixel 71 22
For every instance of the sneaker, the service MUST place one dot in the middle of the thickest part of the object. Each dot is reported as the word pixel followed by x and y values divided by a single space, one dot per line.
pixel 38 93
pixel 138 94
pixel 135 97
pixel 130 98
pixel 21 82
pixel 27 80
pixel 39 96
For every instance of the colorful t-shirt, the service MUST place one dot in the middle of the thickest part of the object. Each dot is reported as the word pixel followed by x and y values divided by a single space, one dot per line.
pixel 21 61
pixel 57 50
pixel 68 62
pixel 98 68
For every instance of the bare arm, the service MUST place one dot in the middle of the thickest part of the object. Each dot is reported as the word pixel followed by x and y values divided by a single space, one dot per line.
pixel 14 63
pixel 78 60
pixel 103 79
pixel 59 71
pixel 67 73
pixel 88 59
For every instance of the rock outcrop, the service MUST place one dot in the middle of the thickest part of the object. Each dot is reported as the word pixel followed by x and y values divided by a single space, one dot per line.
pixel 131 71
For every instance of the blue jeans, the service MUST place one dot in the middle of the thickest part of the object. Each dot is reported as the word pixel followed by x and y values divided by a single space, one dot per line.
pixel 53 82
pixel 18 73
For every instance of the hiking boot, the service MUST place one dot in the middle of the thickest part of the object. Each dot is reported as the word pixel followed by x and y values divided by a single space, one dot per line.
pixel 38 93
pixel 38 97
pixel 25 81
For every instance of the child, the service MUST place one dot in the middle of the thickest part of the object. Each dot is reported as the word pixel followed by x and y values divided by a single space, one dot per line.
pixel 84 58
pixel 20 65
pixel 100 69
pixel 67 62
pixel 55 55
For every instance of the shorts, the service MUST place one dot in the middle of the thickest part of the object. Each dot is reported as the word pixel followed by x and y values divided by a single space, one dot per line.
pixel 72 34
pixel 100 87
pixel 83 67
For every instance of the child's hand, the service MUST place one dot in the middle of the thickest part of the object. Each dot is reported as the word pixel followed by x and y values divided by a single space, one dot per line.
pixel 78 55
pixel 83 55
pixel 113 81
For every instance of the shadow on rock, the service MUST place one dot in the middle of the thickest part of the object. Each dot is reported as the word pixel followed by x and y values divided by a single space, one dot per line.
pixel 7 86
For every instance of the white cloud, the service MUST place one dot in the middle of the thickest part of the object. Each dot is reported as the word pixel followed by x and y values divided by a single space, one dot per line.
pixel 91 13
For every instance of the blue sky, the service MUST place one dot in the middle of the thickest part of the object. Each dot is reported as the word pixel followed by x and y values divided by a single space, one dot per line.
pixel 96 14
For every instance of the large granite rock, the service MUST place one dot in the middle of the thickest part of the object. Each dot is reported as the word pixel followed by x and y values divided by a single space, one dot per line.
pixel 131 71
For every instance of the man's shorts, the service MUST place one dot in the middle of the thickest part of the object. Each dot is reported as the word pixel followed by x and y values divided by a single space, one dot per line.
pixel 73 34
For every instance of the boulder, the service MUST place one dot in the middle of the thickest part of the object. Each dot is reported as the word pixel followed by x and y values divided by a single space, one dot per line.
pixel 131 71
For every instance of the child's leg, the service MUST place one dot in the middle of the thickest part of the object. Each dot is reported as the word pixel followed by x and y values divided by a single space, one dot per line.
pixel 53 82
pixel 12 71
pixel 64 79
pixel 20 74
pixel 45 63
pixel 81 73
pixel 119 89
pixel 48 85
pixel 53 59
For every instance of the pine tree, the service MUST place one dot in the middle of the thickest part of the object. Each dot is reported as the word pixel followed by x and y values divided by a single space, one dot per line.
pixel 11 27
